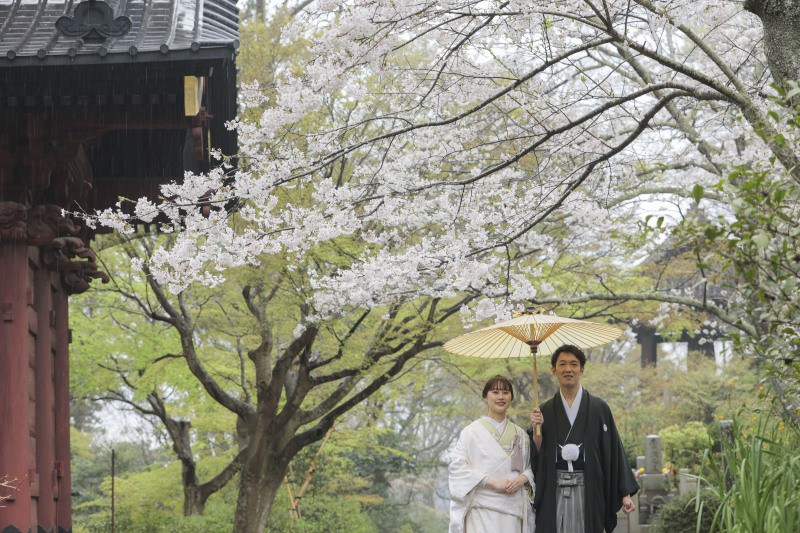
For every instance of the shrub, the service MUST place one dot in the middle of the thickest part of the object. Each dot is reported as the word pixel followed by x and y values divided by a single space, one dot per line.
pixel 757 476
pixel 684 445
pixel 323 514
pixel 680 514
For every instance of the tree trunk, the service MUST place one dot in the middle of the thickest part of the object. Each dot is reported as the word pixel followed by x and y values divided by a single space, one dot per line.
pixel 196 495
pixel 259 481
pixel 781 21
pixel 194 501
pixel 261 9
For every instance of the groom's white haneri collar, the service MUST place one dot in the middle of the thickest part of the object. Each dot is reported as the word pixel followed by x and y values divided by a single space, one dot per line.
pixel 572 412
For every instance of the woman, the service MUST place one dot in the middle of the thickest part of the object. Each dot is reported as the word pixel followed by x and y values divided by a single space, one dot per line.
pixel 489 469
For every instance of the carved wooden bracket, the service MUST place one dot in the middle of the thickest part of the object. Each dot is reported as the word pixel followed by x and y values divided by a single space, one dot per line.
pixel 36 226
pixel 45 223
pixel 12 221
pixel 76 276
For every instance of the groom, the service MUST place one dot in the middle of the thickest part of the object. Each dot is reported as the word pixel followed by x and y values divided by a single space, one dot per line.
pixel 582 475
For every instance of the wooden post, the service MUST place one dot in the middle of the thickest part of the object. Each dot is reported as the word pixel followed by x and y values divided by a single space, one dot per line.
pixel 113 468
pixel 310 473
pixel 293 512
pixel 44 395
pixel 294 501
pixel 61 395
pixel 16 410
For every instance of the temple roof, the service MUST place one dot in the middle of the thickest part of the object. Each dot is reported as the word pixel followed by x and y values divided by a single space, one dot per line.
pixel 57 32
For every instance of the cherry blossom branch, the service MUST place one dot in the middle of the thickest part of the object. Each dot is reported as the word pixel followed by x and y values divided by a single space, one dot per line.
pixel 585 174
pixel 708 307
pixel 333 156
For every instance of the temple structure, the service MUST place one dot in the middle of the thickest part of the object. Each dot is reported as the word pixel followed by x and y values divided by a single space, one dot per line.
pixel 98 100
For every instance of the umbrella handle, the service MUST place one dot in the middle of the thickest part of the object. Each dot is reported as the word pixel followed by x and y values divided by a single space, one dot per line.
pixel 535 348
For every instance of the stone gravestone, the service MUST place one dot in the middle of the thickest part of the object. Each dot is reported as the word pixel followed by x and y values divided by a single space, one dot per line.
pixel 687 482
pixel 654 492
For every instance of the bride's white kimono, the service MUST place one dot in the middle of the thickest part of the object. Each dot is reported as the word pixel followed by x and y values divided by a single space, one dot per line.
pixel 482 453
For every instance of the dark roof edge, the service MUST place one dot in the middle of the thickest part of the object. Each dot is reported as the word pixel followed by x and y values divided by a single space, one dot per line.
pixel 206 51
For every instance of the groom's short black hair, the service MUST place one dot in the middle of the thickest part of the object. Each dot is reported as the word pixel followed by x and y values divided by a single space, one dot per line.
pixel 568 348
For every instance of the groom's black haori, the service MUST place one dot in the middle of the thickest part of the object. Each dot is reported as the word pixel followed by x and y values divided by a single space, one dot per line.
pixel 607 476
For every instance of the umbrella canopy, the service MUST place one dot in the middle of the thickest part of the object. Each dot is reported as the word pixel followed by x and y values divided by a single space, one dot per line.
pixel 515 337
pixel 528 333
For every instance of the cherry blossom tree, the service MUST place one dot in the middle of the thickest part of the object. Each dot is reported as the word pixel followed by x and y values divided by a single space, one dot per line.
pixel 222 369
pixel 455 130
pixel 463 147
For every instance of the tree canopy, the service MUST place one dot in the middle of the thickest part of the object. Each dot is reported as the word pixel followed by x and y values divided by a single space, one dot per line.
pixel 465 146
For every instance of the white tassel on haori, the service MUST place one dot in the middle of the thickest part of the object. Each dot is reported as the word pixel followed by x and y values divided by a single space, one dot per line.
pixel 570 452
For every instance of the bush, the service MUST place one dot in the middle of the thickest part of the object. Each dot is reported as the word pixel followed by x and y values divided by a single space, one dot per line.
pixel 756 477
pixel 323 514
pixel 679 515
pixel 684 445
pixel 217 517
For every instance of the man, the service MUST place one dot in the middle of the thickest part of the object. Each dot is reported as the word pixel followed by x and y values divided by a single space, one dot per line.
pixel 489 469
pixel 582 474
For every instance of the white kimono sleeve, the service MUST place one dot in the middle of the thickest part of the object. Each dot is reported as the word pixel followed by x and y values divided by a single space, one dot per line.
pixel 463 479
pixel 526 447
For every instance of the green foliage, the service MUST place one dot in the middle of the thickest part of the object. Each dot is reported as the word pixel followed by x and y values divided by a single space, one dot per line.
pixel 147 489
pixel 645 401
pixel 389 453
pixel 217 518
pixel 681 514
pixel 756 477
pixel 754 249
pixel 148 499
pixel 684 445
pixel 321 514
pixel 362 465
pixel 426 520
pixel 91 470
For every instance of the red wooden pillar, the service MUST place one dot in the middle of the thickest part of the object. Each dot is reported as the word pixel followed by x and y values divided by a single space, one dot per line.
pixel 38 271
pixel 70 277
pixel 15 378
pixel 44 394
pixel 61 388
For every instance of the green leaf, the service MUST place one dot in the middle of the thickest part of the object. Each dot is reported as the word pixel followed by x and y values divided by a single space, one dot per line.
pixel 792 93
pixel 761 240
pixel 697 193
